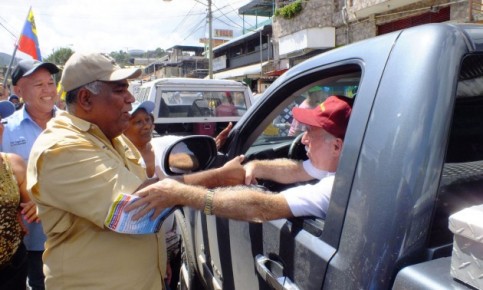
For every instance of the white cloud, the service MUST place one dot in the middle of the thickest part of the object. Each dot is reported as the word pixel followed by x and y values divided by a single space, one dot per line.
pixel 112 25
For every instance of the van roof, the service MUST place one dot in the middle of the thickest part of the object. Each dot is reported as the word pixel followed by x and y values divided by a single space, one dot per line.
pixel 192 81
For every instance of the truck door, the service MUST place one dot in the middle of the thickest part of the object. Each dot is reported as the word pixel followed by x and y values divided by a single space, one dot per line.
pixel 294 253
pixel 286 253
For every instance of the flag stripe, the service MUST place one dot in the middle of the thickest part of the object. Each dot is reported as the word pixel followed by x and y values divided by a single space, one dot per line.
pixel 27 31
pixel 28 42
pixel 27 45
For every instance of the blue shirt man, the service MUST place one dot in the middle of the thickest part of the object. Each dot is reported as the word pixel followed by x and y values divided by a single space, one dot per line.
pixel 33 82
pixel 19 135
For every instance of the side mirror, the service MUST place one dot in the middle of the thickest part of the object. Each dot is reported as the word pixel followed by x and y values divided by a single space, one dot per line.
pixel 189 154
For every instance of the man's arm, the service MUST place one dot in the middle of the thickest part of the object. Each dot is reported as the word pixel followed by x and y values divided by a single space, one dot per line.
pixel 78 178
pixel 240 203
pixel 2 129
pixel 220 139
pixel 281 170
pixel 232 173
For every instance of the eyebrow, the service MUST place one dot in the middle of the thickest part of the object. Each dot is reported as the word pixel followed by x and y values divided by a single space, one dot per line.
pixel 117 84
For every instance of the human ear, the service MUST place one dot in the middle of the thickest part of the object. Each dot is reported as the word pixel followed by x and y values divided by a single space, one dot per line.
pixel 84 99
pixel 17 90
pixel 337 146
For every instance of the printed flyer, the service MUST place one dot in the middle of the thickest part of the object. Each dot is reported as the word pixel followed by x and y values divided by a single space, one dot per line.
pixel 120 221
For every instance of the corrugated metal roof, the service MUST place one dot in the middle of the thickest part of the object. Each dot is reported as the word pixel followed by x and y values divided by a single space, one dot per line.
pixel 258 8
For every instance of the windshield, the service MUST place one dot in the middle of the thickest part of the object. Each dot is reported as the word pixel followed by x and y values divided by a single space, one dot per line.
pixel 176 103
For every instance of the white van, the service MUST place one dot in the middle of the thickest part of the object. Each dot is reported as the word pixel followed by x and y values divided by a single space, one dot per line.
pixel 186 106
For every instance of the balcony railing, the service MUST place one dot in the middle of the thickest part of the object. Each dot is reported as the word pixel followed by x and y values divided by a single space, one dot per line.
pixel 250 58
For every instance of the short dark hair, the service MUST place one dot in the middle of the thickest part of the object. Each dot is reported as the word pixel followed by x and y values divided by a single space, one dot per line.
pixel 94 87
pixel 71 97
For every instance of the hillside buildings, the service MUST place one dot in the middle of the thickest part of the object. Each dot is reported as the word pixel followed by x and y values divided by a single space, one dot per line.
pixel 290 31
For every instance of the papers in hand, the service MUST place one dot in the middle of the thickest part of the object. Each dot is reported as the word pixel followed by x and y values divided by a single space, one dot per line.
pixel 120 221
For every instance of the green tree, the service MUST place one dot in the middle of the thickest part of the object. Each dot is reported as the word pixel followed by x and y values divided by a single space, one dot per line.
pixel 121 57
pixel 159 52
pixel 60 56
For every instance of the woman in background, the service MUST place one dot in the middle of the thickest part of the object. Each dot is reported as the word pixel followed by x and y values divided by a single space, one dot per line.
pixel 14 202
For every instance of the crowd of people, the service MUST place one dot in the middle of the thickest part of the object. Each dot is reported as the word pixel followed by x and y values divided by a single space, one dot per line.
pixel 76 163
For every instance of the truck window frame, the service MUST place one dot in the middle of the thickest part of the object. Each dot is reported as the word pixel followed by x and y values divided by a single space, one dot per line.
pixel 313 225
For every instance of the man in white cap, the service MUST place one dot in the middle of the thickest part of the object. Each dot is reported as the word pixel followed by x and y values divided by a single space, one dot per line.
pixel 78 166
pixel 32 81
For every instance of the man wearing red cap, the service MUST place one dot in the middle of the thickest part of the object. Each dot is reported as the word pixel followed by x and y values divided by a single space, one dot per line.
pixel 326 127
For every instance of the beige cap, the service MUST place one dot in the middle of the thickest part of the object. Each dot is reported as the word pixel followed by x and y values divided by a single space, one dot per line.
pixel 84 68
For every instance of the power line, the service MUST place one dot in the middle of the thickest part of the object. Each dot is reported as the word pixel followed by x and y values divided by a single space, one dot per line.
pixel 197 26
pixel 226 16
pixel 6 23
pixel 238 15
pixel 184 18
pixel 10 32
pixel 227 24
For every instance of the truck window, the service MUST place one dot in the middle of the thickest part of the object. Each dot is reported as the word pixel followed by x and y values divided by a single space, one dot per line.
pixel 279 136
pixel 461 183
pixel 142 95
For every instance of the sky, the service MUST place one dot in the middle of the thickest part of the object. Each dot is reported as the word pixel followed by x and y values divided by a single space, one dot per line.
pixel 114 25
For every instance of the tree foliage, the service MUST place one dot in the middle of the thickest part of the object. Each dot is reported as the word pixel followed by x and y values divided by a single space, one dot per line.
pixel 290 10
pixel 59 56
pixel 124 58
pixel 157 53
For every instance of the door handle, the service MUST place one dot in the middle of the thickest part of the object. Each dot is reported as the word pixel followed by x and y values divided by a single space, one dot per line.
pixel 266 268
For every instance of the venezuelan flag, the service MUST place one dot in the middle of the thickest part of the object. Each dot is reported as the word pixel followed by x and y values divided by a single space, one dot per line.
pixel 28 42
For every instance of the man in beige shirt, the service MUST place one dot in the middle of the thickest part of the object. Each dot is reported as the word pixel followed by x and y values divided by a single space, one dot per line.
pixel 77 168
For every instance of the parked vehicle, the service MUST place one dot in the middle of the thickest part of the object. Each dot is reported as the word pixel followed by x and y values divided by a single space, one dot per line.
pixel 195 106
pixel 412 155
pixel 134 86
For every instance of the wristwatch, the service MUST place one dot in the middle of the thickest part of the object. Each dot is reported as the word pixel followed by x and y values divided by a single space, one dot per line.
pixel 208 210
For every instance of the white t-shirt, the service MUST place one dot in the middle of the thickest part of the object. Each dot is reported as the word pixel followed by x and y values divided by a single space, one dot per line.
pixel 311 199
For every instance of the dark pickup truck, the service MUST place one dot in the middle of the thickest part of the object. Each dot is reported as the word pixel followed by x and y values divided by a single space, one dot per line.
pixel 412 156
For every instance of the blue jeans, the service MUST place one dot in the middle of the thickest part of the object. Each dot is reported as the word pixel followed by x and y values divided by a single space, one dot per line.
pixel 35 270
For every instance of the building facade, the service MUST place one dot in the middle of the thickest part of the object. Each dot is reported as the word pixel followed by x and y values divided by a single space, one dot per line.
pixel 295 30
pixel 244 57
pixel 181 61
pixel 321 25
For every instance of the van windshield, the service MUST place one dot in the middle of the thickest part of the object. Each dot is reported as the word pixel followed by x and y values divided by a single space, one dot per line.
pixel 175 104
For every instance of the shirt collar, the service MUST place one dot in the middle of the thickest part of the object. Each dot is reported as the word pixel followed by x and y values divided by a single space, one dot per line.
pixel 118 143
pixel 79 123
pixel 24 114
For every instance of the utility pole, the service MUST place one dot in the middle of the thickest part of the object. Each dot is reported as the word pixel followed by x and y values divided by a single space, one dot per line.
pixel 210 40
pixel 210 37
